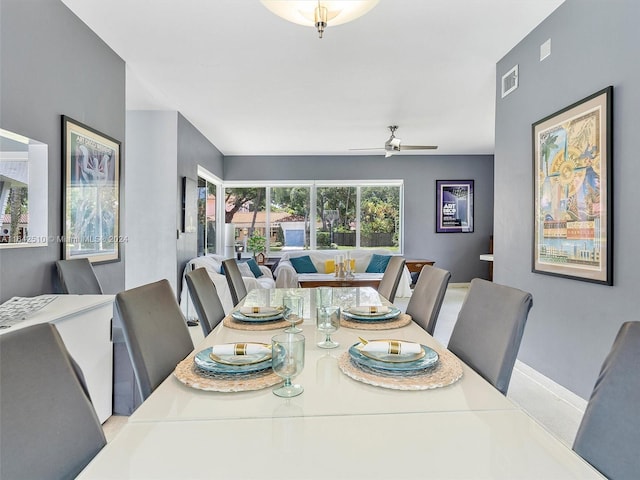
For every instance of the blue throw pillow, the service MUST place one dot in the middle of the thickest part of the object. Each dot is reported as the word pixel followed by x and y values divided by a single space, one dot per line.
pixel 253 265
pixel 303 264
pixel 378 263
pixel 255 268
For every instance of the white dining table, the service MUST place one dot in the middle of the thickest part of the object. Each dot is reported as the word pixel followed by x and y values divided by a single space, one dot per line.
pixel 338 427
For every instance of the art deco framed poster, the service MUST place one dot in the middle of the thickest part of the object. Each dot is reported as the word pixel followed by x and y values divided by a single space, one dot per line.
pixel 91 210
pixel 572 159
pixel 454 206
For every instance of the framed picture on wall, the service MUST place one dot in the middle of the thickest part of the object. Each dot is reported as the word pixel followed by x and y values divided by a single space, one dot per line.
pixel 189 205
pixel 572 185
pixel 91 194
pixel 454 206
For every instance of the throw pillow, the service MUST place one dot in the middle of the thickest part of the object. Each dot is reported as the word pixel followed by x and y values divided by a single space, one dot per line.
pixel 378 263
pixel 255 268
pixel 245 270
pixel 329 266
pixel 303 264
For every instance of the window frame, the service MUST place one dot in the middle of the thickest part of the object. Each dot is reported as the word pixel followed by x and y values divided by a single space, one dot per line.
pixel 313 185
pixel 217 181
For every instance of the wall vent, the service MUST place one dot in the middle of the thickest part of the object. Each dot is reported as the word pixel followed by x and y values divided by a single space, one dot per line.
pixel 510 81
pixel 545 49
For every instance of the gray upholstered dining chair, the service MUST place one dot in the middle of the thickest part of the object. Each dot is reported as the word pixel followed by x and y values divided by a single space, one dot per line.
pixel 49 426
pixel 489 329
pixel 155 332
pixel 391 278
pixel 428 294
pixel 609 433
pixel 205 299
pixel 77 277
pixel 237 288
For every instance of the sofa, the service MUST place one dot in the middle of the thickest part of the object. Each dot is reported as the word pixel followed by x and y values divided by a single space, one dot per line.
pixel 287 275
pixel 213 264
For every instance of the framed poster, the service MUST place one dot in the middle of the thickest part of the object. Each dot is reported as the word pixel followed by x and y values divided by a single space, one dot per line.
pixel 572 234
pixel 454 206
pixel 189 205
pixel 91 190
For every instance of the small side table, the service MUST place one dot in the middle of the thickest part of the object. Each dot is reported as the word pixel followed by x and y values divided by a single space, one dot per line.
pixel 414 267
pixel 488 257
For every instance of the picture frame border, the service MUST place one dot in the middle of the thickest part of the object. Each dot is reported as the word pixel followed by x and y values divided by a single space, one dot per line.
pixel 603 100
pixel 70 125
pixel 470 184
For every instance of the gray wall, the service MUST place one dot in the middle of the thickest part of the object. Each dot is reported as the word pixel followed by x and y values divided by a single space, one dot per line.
pixel 150 211
pixel 593 44
pixel 457 252
pixel 193 150
pixel 52 64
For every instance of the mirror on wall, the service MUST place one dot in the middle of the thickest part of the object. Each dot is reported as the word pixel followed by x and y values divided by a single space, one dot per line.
pixel 23 191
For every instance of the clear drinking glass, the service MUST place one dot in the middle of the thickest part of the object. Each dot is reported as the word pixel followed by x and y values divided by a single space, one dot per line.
pixel 324 296
pixel 287 360
pixel 293 311
pixel 328 321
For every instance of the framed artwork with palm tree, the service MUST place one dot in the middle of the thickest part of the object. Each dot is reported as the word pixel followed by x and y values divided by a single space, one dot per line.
pixel 572 187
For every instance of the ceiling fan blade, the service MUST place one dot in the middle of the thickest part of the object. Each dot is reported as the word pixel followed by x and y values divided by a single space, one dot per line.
pixel 418 147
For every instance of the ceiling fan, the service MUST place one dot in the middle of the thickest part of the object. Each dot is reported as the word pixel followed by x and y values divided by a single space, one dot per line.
pixel 394 144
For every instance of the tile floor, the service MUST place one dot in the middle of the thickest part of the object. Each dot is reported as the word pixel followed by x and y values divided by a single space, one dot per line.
pixel 557 409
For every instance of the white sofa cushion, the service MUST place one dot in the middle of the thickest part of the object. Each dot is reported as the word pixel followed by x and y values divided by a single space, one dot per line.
pixel 212 264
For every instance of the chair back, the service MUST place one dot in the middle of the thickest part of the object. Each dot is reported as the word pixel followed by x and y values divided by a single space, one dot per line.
pixel 205 299
pixel 77 277
pixel 609 433
pixel 428 294
pixel 49 426
pixel 489 329
pixel 237 288
pixel 155 332
pixel 391 278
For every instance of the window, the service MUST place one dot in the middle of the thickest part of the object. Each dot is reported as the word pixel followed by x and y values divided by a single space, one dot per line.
pixel 380 217
pixel 336 217
pixel 208 238
pixel 361 215
pixel 245 208
pixel 289 218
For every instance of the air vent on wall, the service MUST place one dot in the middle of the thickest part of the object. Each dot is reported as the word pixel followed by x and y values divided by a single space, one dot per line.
pixel 510 81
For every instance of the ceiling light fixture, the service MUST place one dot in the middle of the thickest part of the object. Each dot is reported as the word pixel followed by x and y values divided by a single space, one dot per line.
pixel 319 13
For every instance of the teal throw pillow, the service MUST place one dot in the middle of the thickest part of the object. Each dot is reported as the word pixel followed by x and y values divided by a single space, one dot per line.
pixel 303 264
pixel 255 268
pixel 378 263
pixel 253 265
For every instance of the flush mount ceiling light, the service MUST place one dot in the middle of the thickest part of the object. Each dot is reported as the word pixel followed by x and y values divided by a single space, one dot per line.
pixel 319 13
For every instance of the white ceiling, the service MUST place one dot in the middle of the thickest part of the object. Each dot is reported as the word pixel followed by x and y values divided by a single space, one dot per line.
pixel 255 84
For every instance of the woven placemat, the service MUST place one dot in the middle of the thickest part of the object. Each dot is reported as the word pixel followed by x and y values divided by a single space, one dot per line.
pixel 231 322
pixel 400 321
pixel 448 370
pixel 189 374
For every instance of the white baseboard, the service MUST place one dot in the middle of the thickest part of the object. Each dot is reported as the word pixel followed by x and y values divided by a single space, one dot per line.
pixel 554 388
